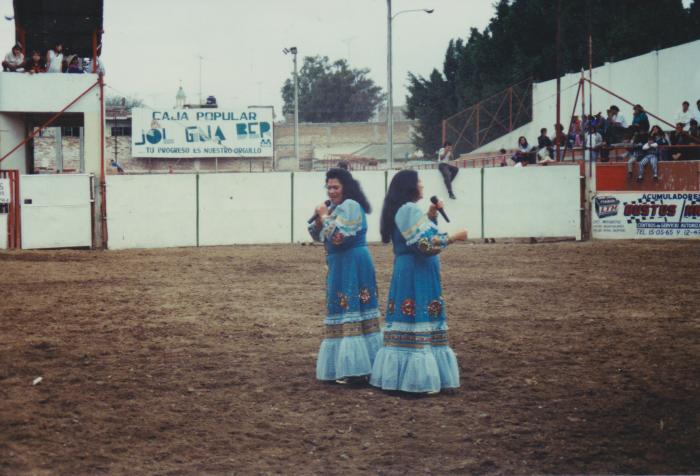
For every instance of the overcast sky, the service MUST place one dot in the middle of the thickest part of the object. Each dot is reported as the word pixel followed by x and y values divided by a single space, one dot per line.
pixel 150 45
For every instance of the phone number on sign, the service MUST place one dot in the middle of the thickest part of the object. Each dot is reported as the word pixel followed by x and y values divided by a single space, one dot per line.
pixel 652 232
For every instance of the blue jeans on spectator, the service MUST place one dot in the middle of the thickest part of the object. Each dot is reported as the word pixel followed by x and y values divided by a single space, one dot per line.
pixel 652 159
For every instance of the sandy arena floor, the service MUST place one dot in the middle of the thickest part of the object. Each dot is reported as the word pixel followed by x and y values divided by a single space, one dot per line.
pixel 575 358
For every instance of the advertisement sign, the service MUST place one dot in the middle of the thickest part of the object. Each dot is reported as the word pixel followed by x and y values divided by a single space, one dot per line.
pixel 627 215
pixel 196 133
pixel 4 190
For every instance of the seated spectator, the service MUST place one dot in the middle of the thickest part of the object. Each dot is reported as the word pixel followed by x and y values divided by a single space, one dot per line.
pixel 343 164
pixel 593 144
pixel 559 139
pixel 635 152
pixel 14 60
pixel 656 138
pixel 575 132
pixel 617 126
pixel 693 129
pixel 34 64
pixel 679 137
pixel 74 65
pixel 522 155
pixel 54 59
pixel 684 115
pixel 696 113
pixel 544 147
pixel 640 119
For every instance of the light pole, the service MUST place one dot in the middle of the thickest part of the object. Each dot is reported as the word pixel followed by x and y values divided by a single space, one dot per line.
pixel 390 92
pixel 293 51
pixel 201 58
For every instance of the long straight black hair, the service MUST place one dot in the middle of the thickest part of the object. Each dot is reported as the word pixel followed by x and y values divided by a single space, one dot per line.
pixel 403 189
pixel 351 187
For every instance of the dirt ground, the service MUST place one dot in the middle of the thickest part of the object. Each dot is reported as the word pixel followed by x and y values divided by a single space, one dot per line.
pixel 574 357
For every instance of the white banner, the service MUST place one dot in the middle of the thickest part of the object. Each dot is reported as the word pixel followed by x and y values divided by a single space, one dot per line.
pixel 195 133
pixel 627 215
pixel 4 190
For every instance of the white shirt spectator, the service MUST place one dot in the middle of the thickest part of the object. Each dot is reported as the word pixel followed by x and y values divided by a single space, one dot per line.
pixel 14 61
pixel 696 113
pixel 620 119
pixel 593 142
pixel 55 62
pixel 685 118
pixel 444 155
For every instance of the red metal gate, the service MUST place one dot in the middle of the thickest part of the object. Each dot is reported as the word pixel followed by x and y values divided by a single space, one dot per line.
pixel 12 209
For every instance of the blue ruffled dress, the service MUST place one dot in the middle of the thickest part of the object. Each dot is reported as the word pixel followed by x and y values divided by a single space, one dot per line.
pixel 416 356
pixel 352 331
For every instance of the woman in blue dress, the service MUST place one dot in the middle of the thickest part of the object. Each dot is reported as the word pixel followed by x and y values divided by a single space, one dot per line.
pixel 416 356
pixel 352 331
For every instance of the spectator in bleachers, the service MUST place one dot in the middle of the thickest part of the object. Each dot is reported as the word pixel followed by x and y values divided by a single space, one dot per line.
pixel 503 155
pixel 616 125
pixel 696 113
pixel 679 137
pixel 544 147
pixel 54 59
pixel 521 156
pixel 74 65
pixel 560 139
pixel 448 171
pixel 14 60
pixel 639 119
pixel 635 152
pixel 693 129
pixel 343 164
pixel 34 64
pixel 593 144
pixel 575 132
pixel 684 115
pixel 656 138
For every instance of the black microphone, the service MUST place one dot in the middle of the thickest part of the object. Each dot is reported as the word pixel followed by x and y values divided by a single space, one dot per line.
pixel 434 200
pixel 328 204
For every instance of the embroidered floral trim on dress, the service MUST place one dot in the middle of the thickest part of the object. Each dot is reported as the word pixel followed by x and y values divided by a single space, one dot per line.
pixel 408 307
pixel 390 307
pixel 434 308
pixel 365 295
pixel 343 301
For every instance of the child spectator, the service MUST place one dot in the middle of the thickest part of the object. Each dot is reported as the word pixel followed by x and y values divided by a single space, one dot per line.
pixel 54 59
pixel 14 60
pixel 34 64
pixel 504 157
pixel 684 115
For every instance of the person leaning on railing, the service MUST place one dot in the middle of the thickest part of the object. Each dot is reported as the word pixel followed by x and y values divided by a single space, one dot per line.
pixel 14 60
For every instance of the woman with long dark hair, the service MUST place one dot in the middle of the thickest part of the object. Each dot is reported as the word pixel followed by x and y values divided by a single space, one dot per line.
pixel 416 356
pixel 352 320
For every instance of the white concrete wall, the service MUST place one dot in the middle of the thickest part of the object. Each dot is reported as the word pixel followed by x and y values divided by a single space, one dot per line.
pixel 3 231
pixel 244 208
pixel 532 202
pixel 47 92
pixel 12 132
pixel 151 211
pixel 161 210
pixel 660 81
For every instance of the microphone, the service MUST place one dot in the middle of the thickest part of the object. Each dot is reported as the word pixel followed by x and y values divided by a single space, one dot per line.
pixel 328 204
pixel 434 200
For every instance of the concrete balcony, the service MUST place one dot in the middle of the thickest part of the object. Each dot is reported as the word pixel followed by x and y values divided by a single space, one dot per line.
pixel 47 92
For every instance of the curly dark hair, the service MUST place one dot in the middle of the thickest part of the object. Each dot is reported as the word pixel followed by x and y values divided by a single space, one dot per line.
pixel 351 187
pixel 403 189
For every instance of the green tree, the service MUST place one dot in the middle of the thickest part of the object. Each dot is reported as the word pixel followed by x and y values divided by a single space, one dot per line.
pixel 125 102
pixel 519 43
pixel 332 92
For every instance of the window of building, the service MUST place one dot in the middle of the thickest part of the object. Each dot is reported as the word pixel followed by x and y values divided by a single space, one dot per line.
pixel 121 131
pixel 70 131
